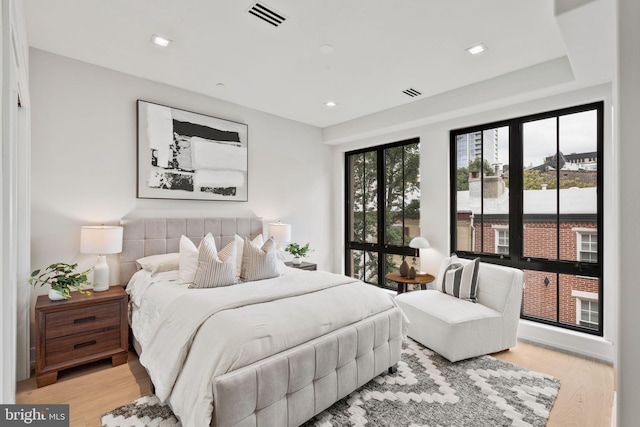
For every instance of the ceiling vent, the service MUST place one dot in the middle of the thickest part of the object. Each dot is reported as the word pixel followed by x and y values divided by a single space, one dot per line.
pixel 260 10
pixel 412 92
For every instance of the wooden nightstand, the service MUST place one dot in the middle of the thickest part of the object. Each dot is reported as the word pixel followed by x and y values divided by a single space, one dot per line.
pixel 82 329
pixel 304 266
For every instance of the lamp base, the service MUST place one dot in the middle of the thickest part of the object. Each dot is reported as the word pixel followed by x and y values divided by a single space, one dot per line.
pixel 101 275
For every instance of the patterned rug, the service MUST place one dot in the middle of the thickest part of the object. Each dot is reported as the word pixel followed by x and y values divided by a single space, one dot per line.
pixel 426 390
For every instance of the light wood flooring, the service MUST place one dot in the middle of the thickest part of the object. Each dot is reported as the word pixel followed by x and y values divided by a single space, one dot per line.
pixel 584 400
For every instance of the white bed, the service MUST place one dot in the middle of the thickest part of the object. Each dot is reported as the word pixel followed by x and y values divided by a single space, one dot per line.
pixel 270 352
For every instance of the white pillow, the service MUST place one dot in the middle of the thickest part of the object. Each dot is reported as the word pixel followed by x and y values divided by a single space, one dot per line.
pixel 160 263
pixel 258 240
pixel 215 268
pixel 461 281
pixel 260 262
pixel 188 258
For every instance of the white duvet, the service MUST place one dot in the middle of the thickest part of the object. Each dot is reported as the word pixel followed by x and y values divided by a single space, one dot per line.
pixel 190 336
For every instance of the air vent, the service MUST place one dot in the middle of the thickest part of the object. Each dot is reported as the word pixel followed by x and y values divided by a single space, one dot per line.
pixel 260 10
pixel 412 92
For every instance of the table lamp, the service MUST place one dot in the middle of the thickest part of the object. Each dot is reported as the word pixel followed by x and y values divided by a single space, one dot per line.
pixel 419 243
pixel 280 232
pixel 102 240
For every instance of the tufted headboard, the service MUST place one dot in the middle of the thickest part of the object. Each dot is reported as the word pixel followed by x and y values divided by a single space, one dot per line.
pixel 151 236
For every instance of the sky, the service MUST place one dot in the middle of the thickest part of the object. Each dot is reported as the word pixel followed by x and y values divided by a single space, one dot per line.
pixel 577 135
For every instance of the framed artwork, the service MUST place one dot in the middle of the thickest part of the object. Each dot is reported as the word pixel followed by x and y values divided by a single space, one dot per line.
pixel 190 156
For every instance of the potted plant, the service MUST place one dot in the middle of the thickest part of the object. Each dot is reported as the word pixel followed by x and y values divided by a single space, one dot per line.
pixel 61 277
pixel 298 252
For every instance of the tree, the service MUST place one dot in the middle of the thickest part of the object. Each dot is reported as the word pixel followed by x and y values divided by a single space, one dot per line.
pixel 401 199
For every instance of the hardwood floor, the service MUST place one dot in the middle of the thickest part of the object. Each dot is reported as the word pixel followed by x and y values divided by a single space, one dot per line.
pixel 584 400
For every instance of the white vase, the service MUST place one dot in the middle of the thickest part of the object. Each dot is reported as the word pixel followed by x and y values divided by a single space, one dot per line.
pixel 297 260
pixel 55 295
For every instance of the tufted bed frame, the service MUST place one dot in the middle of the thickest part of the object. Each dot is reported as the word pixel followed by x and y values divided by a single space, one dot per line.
pixel 290 387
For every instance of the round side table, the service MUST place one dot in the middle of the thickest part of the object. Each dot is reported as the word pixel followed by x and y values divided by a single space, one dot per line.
pixel 421 279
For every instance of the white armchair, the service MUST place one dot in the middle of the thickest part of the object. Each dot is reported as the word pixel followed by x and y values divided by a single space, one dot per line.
pixel 459 329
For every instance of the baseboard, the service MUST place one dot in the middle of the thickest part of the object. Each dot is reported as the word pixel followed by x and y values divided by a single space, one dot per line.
pixel 584 345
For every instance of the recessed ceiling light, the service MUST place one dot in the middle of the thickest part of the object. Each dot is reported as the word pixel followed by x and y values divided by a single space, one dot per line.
pixel 326 49
pixel 479 48
pixel 160 41
pixel 220 85
pixel 330 104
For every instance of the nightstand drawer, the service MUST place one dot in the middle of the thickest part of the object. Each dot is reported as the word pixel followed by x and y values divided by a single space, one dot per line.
pixel 77 346
pixel 68 322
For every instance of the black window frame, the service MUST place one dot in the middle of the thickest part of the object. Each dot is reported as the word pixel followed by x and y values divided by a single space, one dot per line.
pixel 516 257
pixel 380 246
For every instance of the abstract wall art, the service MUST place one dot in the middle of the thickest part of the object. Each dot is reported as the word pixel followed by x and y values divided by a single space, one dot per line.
pixel 190 156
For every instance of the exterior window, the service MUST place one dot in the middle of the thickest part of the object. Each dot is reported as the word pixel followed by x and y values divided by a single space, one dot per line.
pixel 382 209
pixel 587 247
pixel 587 312
pixel 527 193
pixel 502 241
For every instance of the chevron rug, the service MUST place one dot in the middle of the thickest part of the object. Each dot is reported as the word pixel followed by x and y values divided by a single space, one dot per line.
pixel 426 390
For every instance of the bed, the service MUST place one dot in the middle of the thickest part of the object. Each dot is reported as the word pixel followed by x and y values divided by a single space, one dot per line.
pixel 273 352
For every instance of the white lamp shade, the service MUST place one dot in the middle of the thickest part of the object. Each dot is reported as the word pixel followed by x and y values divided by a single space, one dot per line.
pixel 419 242
pixel 279 231
pixel 101 239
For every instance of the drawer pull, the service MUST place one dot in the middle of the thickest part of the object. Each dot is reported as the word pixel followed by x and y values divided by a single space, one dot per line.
pixel 84 344
pixel 85 319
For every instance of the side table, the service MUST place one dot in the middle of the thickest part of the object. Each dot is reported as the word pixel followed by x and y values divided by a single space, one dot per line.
pixel 421 279
pixel 304 266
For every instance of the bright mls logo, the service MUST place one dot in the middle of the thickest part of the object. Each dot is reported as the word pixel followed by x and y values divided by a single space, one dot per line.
pixel 34 415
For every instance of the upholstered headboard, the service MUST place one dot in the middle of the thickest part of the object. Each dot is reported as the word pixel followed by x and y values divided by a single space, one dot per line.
pixel 151 236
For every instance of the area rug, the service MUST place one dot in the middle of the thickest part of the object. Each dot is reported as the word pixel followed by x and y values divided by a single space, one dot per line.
pixel 426 390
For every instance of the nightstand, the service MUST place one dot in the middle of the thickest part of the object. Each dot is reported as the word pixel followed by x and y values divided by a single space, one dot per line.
pixel 82 329
pixel 304 266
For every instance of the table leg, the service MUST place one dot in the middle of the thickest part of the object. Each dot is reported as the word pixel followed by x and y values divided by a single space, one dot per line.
pixel 423 286
pixel 402 288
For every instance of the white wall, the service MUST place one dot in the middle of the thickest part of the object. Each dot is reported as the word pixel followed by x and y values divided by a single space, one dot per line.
pixel 84 161
pixel 627 137
pixel 434 204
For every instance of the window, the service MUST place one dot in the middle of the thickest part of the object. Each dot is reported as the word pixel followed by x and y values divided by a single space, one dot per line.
pixel 523 196
pixel 587 310
pixel 502 241
pixel 587 245
pixel 382 209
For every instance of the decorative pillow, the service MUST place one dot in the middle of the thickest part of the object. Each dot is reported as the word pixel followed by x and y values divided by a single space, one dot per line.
pixel 215 268
pixel 188 258
pixel 461 281
pixel 258 240
pixel 160 263
pixel 259 262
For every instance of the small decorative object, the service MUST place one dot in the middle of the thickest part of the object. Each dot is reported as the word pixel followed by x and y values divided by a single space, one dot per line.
pixel 404 268
pixel 61 277
pixel 101 240
pixel 298 252
pixel 190 156
pixel 412 273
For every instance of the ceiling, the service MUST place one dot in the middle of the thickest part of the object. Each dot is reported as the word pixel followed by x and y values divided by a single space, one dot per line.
pixel 380 48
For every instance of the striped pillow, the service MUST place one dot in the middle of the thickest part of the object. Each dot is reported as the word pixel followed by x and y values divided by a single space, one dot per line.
pixel 461 281
pixel 215 268
pixel 259 262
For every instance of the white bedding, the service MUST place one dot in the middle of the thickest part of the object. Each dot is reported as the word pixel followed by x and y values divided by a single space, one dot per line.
pixel 189 336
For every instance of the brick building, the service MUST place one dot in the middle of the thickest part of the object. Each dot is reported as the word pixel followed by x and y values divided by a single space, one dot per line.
pixel 574 228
